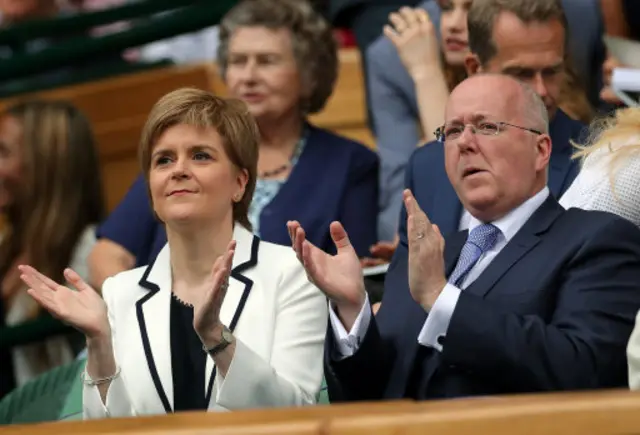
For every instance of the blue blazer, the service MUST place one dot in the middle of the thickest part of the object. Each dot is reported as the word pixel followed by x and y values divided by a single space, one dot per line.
pixel 553 311
pixel 335 179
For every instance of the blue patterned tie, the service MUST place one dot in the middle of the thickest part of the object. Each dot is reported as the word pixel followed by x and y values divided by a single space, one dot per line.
pixel 480 240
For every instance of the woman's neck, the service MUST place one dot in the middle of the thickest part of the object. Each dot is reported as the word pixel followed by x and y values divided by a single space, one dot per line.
pixel 281 133
pixel 193 253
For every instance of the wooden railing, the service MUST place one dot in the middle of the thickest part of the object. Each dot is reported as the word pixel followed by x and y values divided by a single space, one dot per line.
pixel 118 108
pixel 593 413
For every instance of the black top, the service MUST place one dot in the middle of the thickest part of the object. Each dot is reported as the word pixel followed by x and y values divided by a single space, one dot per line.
pixel 188 360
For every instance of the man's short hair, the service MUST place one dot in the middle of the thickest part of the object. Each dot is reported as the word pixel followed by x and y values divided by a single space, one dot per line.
pixel 483 14
pixel 534 109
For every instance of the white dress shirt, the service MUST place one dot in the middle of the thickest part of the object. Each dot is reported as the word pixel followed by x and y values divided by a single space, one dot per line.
pixel 437 322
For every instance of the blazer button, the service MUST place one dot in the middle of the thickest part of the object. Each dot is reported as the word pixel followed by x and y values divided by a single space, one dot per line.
pixel 441 339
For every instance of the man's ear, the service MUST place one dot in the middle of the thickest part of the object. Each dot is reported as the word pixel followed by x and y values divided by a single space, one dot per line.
pixel 544 146
pixel 472 64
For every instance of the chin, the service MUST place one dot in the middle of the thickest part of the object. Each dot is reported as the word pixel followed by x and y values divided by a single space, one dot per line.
pixel 455 58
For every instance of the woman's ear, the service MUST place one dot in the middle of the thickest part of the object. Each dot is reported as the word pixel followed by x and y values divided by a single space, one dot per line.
pixel 472 64
pixel 242 178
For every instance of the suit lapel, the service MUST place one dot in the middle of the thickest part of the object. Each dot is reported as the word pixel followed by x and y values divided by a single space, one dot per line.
pixel 447 208
pixel 245 258
pixel 560 130
pixel 524 240
pixel 152 311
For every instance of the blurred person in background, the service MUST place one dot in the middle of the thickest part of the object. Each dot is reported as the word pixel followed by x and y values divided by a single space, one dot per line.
pixel 280 58
pixel 609 179
pixel 52 199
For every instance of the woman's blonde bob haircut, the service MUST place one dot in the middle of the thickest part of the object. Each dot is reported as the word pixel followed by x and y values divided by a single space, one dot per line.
pixel 230 118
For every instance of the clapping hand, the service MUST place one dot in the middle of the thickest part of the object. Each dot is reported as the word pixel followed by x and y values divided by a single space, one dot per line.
pixel 338 276
pixel 206 313
pixel 426 249
pixel 83 309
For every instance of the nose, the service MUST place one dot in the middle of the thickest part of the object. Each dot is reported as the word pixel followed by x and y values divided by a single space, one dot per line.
pixel 459 20
pixel 539 85
pixel 180 169
pixel 249 71
pixel 467 140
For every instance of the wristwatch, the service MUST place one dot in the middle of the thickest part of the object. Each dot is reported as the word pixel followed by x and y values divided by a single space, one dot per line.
pixel 225 340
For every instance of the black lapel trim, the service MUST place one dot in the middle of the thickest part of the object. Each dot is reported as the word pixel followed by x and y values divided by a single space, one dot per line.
pixel 248 285
pixel 144 282
pixel 145 341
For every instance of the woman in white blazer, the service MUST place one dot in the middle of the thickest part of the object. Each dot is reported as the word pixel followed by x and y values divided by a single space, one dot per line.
pixel 221 320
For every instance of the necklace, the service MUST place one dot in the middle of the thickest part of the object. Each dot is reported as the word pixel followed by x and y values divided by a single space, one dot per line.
pixel 274 172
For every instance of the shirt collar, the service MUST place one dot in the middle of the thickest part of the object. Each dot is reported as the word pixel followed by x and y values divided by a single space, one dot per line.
pixel 511 223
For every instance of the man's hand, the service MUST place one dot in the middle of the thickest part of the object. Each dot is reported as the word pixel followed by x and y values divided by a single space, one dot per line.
pixel 426 249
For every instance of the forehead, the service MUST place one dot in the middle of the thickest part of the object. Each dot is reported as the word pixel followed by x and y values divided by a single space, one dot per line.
pixel 534 45
pixel 185 135
pixel 260 39
pixel 488 97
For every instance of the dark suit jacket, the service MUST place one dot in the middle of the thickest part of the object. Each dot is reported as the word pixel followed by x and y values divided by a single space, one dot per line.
pixel 335 179
pixel 553 311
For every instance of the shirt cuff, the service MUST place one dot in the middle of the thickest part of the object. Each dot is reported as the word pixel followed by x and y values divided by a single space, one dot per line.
pixel 435 327
pixel 347 343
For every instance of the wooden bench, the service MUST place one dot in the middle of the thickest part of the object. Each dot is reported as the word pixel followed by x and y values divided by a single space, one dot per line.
pixel 118 108
pixel 615 412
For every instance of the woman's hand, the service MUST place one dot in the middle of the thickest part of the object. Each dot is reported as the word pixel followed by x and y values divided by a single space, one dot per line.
pixel 83 309
pixel 414 36
pixel 381 253
pixel 338 276
pixel 206 313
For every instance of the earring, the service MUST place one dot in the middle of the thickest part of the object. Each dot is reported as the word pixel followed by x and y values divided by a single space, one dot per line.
pixel 237 198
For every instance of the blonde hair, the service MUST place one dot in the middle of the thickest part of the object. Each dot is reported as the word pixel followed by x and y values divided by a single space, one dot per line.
pixel 619 128
pixel 230 118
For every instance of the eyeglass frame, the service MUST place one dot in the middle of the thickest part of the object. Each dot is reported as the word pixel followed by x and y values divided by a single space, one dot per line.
pixel 441 137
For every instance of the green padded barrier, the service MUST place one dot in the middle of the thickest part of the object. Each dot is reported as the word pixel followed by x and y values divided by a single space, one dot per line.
pixel 63 26
pixel 196 17
pixel 32 331
pixel 72 408
pixel 323 396
pixel 42 399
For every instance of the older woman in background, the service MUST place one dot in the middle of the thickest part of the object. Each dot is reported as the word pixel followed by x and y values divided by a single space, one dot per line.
pixel 51 196
pixel 280 58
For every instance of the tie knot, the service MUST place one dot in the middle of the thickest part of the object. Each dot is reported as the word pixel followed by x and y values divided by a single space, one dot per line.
pixel 484 236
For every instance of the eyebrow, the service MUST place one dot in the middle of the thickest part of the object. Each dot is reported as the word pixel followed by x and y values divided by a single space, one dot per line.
pixel 519 69
pixel 196 147
pixel 474 118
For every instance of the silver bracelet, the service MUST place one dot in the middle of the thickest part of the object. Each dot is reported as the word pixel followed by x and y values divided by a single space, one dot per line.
pixel 93 382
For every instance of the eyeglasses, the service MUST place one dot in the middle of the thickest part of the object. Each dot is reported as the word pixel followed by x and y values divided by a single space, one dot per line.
pixel 485 128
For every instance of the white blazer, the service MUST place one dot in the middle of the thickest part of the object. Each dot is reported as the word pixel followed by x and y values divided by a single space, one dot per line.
pixel 279 320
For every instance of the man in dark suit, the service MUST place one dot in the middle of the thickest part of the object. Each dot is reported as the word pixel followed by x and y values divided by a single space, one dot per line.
pixel 523 39
pixel 532 298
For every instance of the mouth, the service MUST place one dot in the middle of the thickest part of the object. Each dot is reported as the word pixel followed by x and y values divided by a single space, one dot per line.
pixel 180 192
pixel 252 97
pixel 471 171
pixel 454 44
